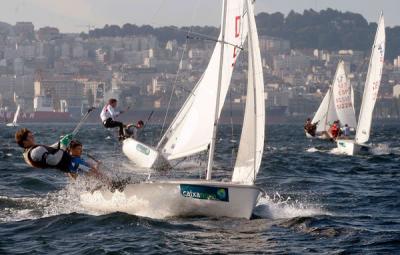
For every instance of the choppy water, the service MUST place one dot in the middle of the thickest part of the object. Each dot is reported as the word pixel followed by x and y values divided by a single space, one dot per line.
pixel 318 202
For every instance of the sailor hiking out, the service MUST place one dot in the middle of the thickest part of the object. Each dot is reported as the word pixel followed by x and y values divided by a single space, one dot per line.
pixel 108 115
pixel 44 156
pixel 57 156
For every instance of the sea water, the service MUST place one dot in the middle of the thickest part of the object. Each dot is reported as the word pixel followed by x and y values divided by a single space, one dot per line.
pixel 317 201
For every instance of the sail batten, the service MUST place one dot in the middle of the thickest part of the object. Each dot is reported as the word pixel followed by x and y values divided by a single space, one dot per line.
pixel 372 84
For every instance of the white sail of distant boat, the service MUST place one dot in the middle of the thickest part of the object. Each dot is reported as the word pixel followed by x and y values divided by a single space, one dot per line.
pixel 191 130
pixel 370 95
pixel 343 98
pixel 206 197
pixel 14 123
pixel 338 103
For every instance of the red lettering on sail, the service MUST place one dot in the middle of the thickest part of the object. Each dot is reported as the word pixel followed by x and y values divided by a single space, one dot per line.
pixel 237 26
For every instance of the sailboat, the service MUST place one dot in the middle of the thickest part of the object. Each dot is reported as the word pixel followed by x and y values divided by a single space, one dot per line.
pixel 338 104
pixel 371 89
pixel 192 128
pixel 206 197
pixel 14 122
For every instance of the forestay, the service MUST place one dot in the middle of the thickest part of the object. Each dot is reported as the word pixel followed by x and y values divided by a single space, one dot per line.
pixel 372 84
pixel 252 138
pixel 343 98
pixel 191 130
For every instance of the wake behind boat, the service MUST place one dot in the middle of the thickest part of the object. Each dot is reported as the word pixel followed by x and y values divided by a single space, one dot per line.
pixel 371 89
pixel 208 197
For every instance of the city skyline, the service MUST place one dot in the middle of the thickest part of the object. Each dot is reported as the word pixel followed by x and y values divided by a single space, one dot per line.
pixel 77 16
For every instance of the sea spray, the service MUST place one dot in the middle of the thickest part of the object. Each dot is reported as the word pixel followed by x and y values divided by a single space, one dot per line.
pixel 279 207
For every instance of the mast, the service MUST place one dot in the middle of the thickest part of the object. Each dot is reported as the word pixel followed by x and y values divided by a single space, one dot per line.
pixel 250 40
pixel 213 140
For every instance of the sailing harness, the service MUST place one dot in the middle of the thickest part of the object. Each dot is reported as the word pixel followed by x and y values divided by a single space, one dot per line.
pixel 62 164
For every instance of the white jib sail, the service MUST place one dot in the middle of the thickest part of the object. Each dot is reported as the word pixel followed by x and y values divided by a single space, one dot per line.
pixel 16 115
pixel 191 130
pixel 326 113
pixel 252 138
pixel 343 98
pixel 372 84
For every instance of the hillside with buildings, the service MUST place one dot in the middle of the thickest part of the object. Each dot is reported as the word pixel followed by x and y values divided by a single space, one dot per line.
pixel 55 76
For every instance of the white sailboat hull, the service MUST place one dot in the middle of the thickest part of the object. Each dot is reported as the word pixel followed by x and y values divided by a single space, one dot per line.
pixel 350 147
pixel 143 156
pixel 177 198
pixel 12 125
pixel 318 135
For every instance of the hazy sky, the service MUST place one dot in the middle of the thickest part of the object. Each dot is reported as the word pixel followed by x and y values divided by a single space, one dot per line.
pixel 76 15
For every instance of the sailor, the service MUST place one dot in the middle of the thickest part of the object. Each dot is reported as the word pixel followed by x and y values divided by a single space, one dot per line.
pixel 43 156
pixel 79 166
pixel 346 130
pixel 309 127
pixel 132 129
pixel 55 156
pixel 334 130
pixel 108 115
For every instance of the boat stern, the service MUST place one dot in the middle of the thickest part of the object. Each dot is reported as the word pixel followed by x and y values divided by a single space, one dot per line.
pixel 142 155
pixel 346 147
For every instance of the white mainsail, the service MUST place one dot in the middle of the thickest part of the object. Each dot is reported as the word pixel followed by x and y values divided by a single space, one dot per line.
pixel 343 98
pixel 372 84
pixel 252 138
pixel 326 113
pixel 16 115
pixel 338 103
pixel 191 130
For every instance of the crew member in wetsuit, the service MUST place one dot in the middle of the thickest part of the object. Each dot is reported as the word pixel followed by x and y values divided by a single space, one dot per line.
pixel 310 128
pixel 54 156
pixel 43 156
pixel 108 115
pixel 334 130
pixel 79 166
pixel 132 129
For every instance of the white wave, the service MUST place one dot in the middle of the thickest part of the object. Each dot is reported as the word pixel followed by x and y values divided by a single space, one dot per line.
pixel 312 149
pixel 335 151
pixel 64 201
pixel 96 203
pixel 380 149
pixel 281 208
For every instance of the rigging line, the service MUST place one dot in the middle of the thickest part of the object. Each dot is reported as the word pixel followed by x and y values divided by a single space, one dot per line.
pixel 208 38
pixel 173 88
pixel 176 76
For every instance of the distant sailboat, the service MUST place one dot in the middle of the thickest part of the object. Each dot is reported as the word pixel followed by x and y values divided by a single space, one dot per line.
pixel 208 197
pixel 338 104
pixel 371 89
pixel 16 115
